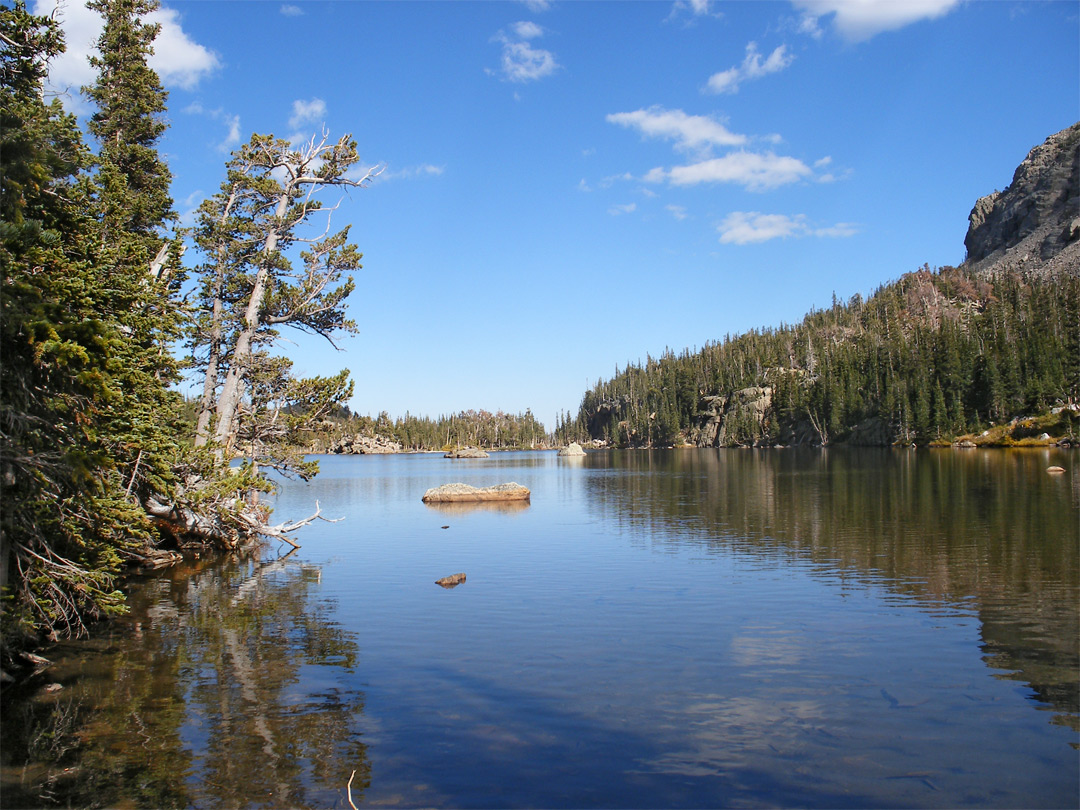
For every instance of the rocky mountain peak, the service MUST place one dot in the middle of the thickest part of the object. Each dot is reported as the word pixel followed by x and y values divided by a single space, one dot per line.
pixel 1033 226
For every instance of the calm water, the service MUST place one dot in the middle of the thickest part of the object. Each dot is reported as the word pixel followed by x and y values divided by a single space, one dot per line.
pixel 668 629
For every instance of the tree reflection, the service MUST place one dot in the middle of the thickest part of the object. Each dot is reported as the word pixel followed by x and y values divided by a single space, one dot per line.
pixel 227 686
pixel 982 530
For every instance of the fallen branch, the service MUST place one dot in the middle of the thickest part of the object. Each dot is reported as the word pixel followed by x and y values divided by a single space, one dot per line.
pixel 282 530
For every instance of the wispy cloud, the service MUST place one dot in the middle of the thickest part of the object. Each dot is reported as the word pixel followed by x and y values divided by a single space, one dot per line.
pixel 178 59
pixel 521 62
pixel 411 172
pixel 753 171
pixel 753 67
pixel 307 112
pixel 860 20
pixel 290 10
pixel 689 132
pixel 694 8
pixel 527 30
pixel 536 6
pixel 231 122
pixel 677 211
pixel 752 227
pixel 618 210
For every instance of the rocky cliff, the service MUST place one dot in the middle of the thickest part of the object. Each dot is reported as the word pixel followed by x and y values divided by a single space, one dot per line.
pixel 1033 226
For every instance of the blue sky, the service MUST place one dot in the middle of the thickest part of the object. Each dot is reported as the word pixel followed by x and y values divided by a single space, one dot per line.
pixel 572 185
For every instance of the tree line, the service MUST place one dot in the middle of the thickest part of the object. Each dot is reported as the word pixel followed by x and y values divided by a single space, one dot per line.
pixel 936 354
pixel 476 428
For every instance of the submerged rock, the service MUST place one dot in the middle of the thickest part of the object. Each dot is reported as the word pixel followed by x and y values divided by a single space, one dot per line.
pixel 464 493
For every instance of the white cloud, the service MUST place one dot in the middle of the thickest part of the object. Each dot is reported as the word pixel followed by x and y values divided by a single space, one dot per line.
pixel 616 210
pixel 537 6
pixel 690 132
pixel 752 227
pixel 233 137
pixel 291 11
pixel 860 20
pixel 752 170
pixel 306 112
pixel 677 211
pixel 527 30
pixel 696 8
pixel 521 62
pixel 752 67
pixel 583 186
pixel 178 60
pixel 823 162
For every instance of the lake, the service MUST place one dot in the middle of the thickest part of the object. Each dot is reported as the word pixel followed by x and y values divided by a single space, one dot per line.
pixel 683 628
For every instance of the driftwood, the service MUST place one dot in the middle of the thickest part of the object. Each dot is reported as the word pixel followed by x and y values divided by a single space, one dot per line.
pixel 464 493
pixel 182 521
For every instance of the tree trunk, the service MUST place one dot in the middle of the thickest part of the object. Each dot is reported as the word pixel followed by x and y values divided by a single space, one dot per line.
pixel 231 390
pixel 206 407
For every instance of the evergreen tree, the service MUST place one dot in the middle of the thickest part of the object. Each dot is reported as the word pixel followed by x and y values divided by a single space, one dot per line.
pixel 134 211
pixel 61 546
pixel 251 288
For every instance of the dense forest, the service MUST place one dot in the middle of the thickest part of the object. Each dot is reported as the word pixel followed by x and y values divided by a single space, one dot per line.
pixel 935 355
pixel 101 470
pixel 495 431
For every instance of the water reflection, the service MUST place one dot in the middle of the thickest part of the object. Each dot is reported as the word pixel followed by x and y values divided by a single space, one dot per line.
pixel 467 507
pixel 988 532
pixel 222 688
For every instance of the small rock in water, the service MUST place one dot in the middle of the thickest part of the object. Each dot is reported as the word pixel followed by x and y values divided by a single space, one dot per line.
pixel 54 687
pixel 444 527
pixel 451 581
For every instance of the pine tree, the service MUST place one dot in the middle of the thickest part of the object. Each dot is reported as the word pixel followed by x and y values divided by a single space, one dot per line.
pixel 251 288
pixel 134 213
pixel 61 546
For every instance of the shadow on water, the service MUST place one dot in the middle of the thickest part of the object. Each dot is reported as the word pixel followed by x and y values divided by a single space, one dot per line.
pixel 988 530
pixel 229 696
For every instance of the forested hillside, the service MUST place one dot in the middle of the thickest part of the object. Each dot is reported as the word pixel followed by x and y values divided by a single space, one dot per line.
pixel 934 355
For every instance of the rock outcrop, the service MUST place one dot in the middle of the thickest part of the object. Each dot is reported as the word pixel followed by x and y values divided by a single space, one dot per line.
pixel 366 445
pixel 464 493
pixel 1033 226
pixel 466 452
pixel 572 449
pixel 748 407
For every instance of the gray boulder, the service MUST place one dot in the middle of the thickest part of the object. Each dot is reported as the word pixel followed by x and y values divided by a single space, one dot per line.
pixel 466 452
